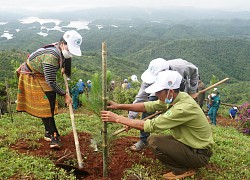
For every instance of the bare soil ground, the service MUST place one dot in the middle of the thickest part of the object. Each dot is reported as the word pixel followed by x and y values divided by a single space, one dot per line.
pixel 120 157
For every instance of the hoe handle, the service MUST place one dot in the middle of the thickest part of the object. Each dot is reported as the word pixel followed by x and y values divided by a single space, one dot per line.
pixel 78 152
pixel 212 86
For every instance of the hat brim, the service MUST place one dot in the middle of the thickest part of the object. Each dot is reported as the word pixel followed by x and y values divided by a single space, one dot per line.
pixel 148 77
pixel 74 50
pixel 154 88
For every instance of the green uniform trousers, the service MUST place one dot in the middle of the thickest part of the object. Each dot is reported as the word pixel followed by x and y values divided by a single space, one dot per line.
pixel 177 156
pixel 212 113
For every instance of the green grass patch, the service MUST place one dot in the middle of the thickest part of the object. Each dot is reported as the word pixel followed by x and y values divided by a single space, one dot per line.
pixel 231 158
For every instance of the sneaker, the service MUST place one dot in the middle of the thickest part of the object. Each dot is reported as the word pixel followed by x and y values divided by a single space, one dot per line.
pixel 171 175
pixel 47 136
pixel 138 146
pixel 55 141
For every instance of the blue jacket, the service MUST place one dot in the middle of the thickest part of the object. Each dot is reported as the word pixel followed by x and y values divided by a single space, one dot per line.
pixel 80 86
pixel 233 111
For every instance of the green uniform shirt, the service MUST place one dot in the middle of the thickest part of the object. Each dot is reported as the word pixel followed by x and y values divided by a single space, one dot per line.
pixel 185 119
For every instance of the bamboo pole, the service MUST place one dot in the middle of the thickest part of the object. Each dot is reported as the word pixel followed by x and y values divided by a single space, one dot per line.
pixel 212 86
pixel 104 96
pixel 77 145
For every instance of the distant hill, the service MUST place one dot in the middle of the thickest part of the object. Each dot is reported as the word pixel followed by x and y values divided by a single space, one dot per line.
pixel 217 47
pixel 139 41
pixel 223 58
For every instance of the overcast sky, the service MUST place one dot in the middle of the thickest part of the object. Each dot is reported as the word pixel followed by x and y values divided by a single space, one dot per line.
pixel 232 5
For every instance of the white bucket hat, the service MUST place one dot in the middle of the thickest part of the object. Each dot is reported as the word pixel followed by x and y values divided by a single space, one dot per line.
pixel 74 41
pixel 155 66
pixel 165 80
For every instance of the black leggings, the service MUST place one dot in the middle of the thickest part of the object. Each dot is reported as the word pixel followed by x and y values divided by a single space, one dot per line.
pixel 52 100
pixel 49 122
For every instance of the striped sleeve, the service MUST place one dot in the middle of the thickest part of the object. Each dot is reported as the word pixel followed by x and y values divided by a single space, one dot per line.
pixel 50 77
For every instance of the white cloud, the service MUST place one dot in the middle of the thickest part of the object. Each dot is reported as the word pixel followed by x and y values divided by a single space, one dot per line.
pixel 78 24
pixel 3 23
pixel 29 20
pixel 99 26
pixel 42 34
pixel 7 35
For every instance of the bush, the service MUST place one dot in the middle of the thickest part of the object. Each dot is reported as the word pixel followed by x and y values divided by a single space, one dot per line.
pixel 243 119
pixel 124 96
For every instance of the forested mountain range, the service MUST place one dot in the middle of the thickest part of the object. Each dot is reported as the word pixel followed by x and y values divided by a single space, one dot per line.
pixel 217 47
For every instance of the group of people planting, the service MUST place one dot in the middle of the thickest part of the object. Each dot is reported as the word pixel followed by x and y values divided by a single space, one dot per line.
pixel 169 86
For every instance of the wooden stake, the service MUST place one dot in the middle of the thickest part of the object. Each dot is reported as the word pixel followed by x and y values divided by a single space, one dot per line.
pixel 104 95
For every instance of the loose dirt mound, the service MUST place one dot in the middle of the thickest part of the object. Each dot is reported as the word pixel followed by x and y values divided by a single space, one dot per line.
pixel 120 157
pixel 226 122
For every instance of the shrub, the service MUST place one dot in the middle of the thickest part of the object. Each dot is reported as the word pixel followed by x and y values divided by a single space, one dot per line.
pixel 243 119
pixel 124 96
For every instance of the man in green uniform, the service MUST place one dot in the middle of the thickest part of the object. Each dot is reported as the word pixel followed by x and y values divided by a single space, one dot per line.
pixel 212 113
pixel 189 145
pixel 75 96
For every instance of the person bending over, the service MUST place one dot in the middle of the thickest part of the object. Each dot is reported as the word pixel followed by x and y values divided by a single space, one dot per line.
pixel 37 86
pixel 189 84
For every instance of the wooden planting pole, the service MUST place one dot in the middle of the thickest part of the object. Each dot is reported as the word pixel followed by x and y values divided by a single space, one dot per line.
pixel 104 96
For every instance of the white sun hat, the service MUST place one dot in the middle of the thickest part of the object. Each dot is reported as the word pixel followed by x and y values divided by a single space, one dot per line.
pixel 134 78
pixel 155 66
pixel 165 80
pixel 74 41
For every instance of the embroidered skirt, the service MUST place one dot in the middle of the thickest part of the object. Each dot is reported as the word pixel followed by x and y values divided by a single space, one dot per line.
pixel 31 97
